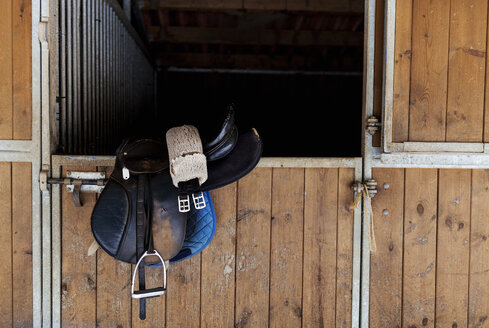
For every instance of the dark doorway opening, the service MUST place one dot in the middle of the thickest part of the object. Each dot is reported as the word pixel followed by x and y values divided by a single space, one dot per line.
pixel 297 114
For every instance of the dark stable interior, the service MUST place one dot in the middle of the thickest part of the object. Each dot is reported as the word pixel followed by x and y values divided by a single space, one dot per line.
pixel 296 114
pixel 296 77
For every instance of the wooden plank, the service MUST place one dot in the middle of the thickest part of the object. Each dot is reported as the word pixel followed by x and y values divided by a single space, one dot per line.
pixel 250 61
pixel 486 103
pixel 6 70
pixel 264 5
pixel 6 310
pixel 452 264
pixel 357 6
pixel 286 247
pixel 386 261
pixel 113 291
pixel 344 252
pixel 155 307
pixel 319 259
pixel 253 248
pixel 479 248
pixel 465 105
pixel 402 71
pixel 22 244
pixel 183 294
pixel 218 263
pixel 289 5
pixel 427 111
pixel 420 218
pixel 255 36
pixel 319 5
pixel 21 67
pixel 191 4
pixel 78 271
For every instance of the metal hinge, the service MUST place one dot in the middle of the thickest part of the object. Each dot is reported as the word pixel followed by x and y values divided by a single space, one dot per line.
pixel 373 125
pixel 77 182
pixel 371 185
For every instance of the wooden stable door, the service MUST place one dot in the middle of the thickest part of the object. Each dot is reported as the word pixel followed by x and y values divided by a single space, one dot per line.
pixel 282 256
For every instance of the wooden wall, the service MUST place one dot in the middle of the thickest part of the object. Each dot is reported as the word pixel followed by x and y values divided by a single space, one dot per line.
pixel 440 71
pixel 281 257
pixel 15 178
pixel 431 264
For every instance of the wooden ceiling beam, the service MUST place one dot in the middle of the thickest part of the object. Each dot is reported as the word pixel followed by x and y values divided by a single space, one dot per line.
pixel 332 6
pixel 197 35
pixel 259 62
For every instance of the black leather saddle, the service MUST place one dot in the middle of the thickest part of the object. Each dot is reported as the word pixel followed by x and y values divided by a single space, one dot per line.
pixel 137 218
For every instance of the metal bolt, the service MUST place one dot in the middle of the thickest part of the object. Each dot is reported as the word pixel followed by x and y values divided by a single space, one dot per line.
pixel 386 185
pixel 385 212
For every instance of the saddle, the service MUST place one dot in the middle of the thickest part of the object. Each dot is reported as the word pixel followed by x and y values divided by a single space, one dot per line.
pixel 141 215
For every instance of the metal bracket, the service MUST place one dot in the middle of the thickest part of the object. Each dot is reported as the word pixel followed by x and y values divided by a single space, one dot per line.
pixel 78 182
pixel 371 184
pixel 43 177
pixel 373 125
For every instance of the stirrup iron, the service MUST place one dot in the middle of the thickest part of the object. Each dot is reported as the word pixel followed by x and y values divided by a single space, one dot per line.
pixel 151 292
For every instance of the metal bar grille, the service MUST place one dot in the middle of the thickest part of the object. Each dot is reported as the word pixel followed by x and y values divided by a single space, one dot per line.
pixel 106 77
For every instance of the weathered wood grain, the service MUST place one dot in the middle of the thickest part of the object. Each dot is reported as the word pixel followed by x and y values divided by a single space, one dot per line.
pixel 78 271
pixel 21 69
pixel 183 293
pixel 419 267
pixel 452 263
pixel 253 248
pixel 429 70
pixel 22 244
pixel 6 70
pixel 219 263
pixel 465 105
pixel 286 247
pixel 479 250
pixel 320 241
pixel 402 71
pixel 114 296
pixel 6 304
pixel 386 261
pixel 344 251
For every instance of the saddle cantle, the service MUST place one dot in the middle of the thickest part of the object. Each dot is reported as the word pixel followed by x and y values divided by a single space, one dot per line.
pixel 137 213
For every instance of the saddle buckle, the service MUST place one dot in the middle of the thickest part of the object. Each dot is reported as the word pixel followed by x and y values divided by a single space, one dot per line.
pixel 151 292
pixel 199 200
pixel 125 173
pixel 183 203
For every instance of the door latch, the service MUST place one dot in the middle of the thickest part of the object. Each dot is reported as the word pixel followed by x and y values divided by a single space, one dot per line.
pixel 370 185
pixel 77 182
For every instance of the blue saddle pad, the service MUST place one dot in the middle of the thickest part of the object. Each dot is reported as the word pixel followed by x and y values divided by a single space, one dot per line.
pixel 201 226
